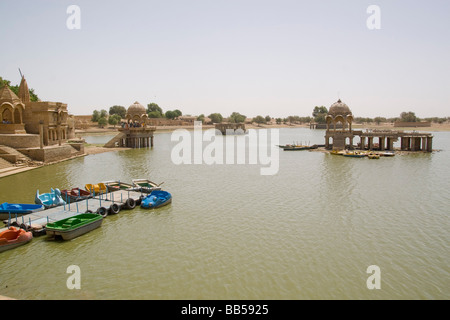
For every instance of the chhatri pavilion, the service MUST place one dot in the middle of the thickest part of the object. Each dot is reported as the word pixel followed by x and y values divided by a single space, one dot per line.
pixel 339 134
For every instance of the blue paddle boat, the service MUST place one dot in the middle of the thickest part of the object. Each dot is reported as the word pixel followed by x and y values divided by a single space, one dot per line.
pixel 49 200
pixel 156 199
pixel 18 209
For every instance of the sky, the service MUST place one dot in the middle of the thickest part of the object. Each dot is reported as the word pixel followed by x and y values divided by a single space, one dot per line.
pixel 255 57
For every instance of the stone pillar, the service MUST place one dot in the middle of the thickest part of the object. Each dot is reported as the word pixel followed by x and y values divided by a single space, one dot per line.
pixel 424 144
pixel 370 143
pixel 363 143
pixel 41 134
pixel 430 144
pixel 59 134
pixel 151 141
pixel 381 143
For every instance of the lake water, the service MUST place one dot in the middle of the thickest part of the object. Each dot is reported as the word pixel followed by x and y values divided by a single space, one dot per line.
pixel 308 232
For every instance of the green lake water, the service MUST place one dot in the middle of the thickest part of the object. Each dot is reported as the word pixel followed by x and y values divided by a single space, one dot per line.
pixel 308 232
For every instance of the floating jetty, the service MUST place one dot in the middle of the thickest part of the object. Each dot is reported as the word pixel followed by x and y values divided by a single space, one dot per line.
pixel 105 204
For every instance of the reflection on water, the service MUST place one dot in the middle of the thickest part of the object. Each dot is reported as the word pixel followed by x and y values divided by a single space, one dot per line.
pixel 309 232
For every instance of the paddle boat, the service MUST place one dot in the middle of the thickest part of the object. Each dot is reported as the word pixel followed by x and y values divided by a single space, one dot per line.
pixel 13 238
pixel 373 156
pixel 96 189
pixel 75 194
pixel 117 185
pixel 156 199
pixel 337 152
pixel 145 185
pixel 354 154
pixel 18 209
pixel 387 154
pixel 49 200
pixel 75 226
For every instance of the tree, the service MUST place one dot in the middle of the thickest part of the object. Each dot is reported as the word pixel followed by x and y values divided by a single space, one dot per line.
pixel 216 117
pixel 259 119
pixel 279 120
pixel 178 113
pixel 155 110
pixel 317 110
pixel 102 122
pixel 201 118
pixel 268 118
pixel 95 116
pixel 103 114
pixel 119 110
pixel 170 115
pixel 408 117
pixel 378 120
pixel 319 114
pixel 236 117
pixel 154 114
pixel 114 119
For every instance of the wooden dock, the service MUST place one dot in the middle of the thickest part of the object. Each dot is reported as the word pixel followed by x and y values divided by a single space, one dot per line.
pixel 108 202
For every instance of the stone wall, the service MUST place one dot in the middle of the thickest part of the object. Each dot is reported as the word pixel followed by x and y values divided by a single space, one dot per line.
pixel 20 140
pixel 52 154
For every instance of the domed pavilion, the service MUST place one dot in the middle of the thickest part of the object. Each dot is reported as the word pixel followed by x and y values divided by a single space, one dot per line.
pixel 137 113
pixel 339 126
pixel 134 133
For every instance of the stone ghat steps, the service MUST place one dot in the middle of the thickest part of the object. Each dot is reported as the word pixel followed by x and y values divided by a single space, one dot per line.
pixel 5 164
pixel 13 156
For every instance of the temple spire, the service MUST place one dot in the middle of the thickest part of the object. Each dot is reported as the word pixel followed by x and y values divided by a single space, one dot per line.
pixel 24 92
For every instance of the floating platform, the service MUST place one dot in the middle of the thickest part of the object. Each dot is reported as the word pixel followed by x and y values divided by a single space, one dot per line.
pixel 104 204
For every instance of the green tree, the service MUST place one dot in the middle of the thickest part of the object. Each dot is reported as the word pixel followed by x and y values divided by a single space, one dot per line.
pixel 103 114
pixel 102 122
pixel 170 115
pixel 408 117
pixel 201 118
pixel 378 120
pixel 114 119
pixel 216 117
pixel 317 110
pixel 119 110
pixel 236 117
pixel 95 116
pixel 319 114
pixel 259 119
pixel 154 114
pixel 268 118
pixel 155 110
pixel 279 120
pixel 178 113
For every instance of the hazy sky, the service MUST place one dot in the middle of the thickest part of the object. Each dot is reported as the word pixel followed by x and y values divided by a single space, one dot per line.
pixel 256 57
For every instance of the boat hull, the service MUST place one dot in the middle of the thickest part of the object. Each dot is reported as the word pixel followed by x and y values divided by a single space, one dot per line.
pixel 10 209
pixel 53 230
pixel 13 238
pixel 156 199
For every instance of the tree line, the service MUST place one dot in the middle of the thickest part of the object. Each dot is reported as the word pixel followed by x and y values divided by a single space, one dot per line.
pixel 319 113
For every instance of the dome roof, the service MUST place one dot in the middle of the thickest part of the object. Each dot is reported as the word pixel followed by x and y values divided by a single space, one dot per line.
pixel 7 95
pixel 136 109
pixel 339 109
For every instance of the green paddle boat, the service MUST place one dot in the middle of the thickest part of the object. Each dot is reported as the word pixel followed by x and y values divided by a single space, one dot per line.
pixel 75 226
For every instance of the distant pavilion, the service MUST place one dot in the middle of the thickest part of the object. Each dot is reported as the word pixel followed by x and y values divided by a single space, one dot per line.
pixel 339 134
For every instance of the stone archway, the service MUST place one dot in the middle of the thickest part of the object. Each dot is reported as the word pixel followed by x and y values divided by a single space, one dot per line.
pixel 7 115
